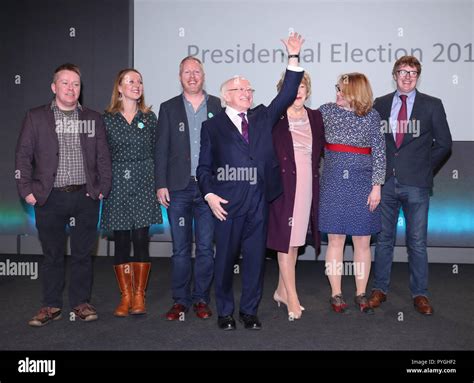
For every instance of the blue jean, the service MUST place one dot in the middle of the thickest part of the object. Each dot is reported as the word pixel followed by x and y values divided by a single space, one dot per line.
pixel 415 203
pixel 186 205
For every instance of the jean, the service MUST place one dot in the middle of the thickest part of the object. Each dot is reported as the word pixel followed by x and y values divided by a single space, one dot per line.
pixel 186 205
pixel 415 203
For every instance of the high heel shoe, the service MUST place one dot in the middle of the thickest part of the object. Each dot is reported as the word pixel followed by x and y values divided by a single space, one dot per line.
pixel 363 304
pixel 292 316
pixel 279 300
pixel 338 304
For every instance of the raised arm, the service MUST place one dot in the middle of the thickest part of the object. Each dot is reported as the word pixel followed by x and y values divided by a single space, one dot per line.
pixel 293 45
pixel 293 77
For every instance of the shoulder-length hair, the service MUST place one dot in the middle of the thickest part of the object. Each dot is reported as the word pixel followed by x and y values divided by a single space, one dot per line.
pixel 306 81
pixel 116 105
pixel 357 91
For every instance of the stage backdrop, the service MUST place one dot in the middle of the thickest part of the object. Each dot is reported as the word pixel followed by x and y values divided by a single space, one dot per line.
pixel 36 37
pixel 238 37
pixel 243 37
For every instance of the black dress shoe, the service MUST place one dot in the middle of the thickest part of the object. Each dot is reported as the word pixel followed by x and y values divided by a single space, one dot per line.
pixel 226 323
pixel 250 322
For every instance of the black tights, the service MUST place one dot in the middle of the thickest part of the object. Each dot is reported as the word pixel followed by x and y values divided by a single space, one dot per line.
pixel 140 239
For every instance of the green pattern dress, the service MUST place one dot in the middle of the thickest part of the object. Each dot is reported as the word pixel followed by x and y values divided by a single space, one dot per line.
pixel 132 203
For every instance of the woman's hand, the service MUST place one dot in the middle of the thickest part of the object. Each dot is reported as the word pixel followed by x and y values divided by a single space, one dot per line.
pixel 374 197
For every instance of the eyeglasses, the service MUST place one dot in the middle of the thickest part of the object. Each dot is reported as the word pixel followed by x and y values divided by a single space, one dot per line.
pixel 410 73
pixel 338 88
pixel 242 90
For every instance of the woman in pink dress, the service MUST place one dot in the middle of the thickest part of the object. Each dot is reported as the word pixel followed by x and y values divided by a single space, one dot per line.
pixel 298 139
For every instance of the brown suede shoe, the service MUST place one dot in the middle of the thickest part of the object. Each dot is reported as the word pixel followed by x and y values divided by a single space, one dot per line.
pixel 422 305
pixel 44 316
pixel 376 298
pixel 86 312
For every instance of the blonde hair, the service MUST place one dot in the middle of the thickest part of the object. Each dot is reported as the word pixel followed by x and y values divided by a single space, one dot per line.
pixel 306 81
pixel 190 58
pixel 357 92
pixel 116 105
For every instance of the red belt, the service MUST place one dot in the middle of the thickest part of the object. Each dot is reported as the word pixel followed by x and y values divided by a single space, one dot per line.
pixel 348 148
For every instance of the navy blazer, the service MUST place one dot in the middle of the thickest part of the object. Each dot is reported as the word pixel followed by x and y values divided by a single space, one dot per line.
pixel 224 150
pixel 37 154
pixel 173 147
pixel 419 155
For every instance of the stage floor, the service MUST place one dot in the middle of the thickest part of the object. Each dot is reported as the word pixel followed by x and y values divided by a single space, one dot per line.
pixel 396 326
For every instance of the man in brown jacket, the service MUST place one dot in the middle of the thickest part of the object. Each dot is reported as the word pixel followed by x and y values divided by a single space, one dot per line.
pixel 63 169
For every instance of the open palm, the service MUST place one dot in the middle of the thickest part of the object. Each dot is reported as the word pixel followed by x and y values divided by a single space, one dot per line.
pixel 293 43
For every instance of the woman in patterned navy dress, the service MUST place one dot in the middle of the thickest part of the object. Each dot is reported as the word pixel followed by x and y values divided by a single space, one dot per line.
pixel 353 172
pixel 131 206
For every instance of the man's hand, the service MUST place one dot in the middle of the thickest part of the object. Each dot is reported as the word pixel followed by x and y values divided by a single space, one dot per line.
pixel 293 43
pixel 163 196
pixel 214 202
pixel 30 199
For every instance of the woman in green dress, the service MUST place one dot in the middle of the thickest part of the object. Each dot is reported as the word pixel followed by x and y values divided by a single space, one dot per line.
pixel 131 206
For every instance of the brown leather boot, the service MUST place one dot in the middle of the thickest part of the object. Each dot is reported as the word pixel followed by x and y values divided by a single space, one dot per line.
pixel 140 280
pixel 124 273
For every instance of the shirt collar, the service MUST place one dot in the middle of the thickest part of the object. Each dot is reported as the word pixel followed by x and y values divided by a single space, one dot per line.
pixel 206 96
pixel 231 112
pixel 410 95
pixel 55 105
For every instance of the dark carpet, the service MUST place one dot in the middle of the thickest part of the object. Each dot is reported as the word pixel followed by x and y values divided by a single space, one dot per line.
pixel 396 326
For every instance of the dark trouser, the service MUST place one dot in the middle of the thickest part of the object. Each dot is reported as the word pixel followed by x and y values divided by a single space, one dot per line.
pixel 122 245
pixel 415 202
pixel 186 205
pixel 81 213
pixel 248 234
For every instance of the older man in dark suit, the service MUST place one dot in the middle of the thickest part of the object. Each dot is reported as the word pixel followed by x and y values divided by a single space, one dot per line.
pixel 417 140
pixel 238 174
pixel 63 169
pixel 177 154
